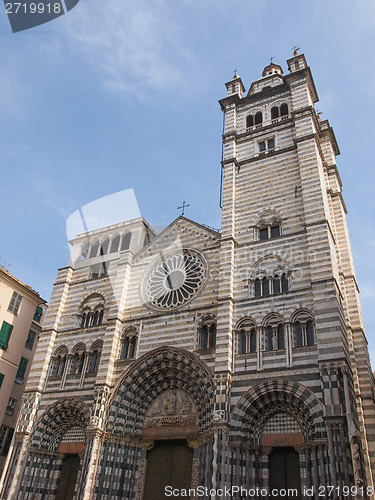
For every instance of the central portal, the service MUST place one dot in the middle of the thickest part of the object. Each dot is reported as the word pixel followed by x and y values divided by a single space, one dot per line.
pixel 169 463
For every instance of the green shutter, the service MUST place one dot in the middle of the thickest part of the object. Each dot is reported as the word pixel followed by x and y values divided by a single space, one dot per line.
pixel 20 377
pixel 1 379
pixel 6 330
pixel 38 314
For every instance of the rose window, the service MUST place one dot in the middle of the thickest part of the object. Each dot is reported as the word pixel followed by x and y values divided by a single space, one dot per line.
pixel 175 280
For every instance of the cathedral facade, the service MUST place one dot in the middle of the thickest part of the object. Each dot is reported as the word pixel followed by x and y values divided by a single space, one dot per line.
pixel 207 360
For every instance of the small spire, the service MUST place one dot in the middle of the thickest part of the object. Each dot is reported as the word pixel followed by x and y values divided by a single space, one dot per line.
pixel 295 50
pixel 235 74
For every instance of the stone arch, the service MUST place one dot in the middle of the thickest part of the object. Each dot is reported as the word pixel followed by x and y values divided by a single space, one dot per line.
pixel 304 314
pixel 273 319
pixel 152 374
pixel 79 347
pixel 269 397
pixel 57 420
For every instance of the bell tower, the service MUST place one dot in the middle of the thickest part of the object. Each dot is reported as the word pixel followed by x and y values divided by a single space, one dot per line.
pixel 286 254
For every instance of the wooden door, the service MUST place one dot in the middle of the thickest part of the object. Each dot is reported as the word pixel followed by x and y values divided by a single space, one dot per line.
pixel 169 463
pixel 68 478
pixel 284 471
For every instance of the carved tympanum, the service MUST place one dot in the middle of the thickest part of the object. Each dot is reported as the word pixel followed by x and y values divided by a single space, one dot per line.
pixel 173 407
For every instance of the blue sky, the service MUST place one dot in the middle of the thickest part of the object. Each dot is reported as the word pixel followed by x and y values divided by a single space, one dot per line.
pixel 118 94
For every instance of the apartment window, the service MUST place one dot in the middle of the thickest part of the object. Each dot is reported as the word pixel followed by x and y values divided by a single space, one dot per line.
pixel 38 314
pixel 5 332
pixel 20 376
pixel 6 434
pixel 14 303
pixel 1 379
pixel 30 340
pixel 11 406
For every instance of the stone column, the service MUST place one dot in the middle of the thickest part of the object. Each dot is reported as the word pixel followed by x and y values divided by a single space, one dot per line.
pixel 264 465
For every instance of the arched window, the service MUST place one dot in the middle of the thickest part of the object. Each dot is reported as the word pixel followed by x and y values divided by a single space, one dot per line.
pixel 94 361
pixel 96 318
pixel 73 368
pixel 258 288
pixel 269 230
pixel 242 347
pixel 104 247
pixel 276 284
pixel 284 283
pixel 132 346
pixel 247 338
pixel 60 362
pixel 207 335
pixel 275 230
pixel 249 121
pixel 310 334
pixel 298 334
pixel 129 344
pixel 258 118
pixel 204 337
pixel 94 249
pixel 265 286
pixel 284 110
pixel 83 320
pixel 280 337
pixel 125 241
pixel 125 348
pixel 274 113
pixel 269 338
pixel 115 244
pixel 253 340
pixel 101 315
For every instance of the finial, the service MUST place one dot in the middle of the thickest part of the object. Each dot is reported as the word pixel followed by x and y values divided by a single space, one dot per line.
pixel 235 74
pixel 318 113
pixel 271 59
pixel 295 50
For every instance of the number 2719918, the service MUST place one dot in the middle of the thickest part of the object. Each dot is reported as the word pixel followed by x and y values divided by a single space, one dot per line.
pixel 33 8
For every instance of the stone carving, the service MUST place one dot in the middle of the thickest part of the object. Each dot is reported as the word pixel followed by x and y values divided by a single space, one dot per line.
pixel 172 407
pixel 357 465
pixel 141 479
pixel 218 415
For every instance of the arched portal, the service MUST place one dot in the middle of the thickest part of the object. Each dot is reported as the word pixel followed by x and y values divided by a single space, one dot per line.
pixel 53 462
pixel 280 426
pixel 162 402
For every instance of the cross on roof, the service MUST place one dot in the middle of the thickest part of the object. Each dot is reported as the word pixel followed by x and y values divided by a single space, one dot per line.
pixel 235 72
pixel 183 206
pixel 295 49
pixel 271 59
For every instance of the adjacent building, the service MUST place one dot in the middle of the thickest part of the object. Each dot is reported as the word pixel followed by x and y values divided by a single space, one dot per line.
pixel 21 313
pixel 197 357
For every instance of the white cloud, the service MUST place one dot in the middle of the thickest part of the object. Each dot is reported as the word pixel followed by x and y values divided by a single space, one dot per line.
pixel 132 46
